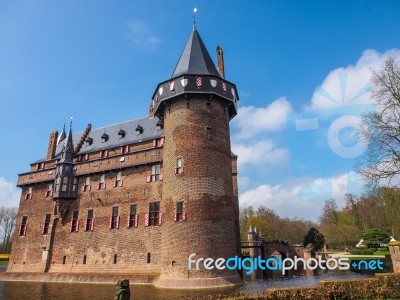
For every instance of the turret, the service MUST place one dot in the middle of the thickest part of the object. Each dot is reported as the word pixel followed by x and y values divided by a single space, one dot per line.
pixel 195 105
pixel 65 183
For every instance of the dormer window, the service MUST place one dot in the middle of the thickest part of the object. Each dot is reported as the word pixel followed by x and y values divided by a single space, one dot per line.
pixel 104 137
pixel 139 130
pixel 159 125
pixel 121 133
pixel 89 141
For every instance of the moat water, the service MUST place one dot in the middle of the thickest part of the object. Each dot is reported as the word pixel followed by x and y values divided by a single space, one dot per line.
pixel 83 291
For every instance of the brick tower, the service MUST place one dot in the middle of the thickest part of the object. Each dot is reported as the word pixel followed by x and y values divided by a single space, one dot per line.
pixel 199 201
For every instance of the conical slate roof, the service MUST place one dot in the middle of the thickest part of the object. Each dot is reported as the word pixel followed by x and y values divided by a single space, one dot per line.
pixel 195 59
pixel 67 151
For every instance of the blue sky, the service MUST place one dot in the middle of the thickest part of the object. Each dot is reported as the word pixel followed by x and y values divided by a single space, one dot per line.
pixel 100 61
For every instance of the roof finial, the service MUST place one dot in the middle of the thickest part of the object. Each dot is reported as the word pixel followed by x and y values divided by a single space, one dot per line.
pixel 194 17
pixel 70 123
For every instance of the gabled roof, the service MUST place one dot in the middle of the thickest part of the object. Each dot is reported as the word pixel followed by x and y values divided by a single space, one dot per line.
pixel 150 132
pixel 67 150
pixel 195 59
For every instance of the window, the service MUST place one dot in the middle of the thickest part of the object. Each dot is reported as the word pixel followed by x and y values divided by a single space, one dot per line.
pixel 89 141
pixel 118 182
pixel 64 260
pixel 159 125
pixel 208 106
pixel 102 184
pixel 154 214
pixel 86 186
pixel 121 133
pixel 124 149
pixel 158 142
pixel 84 259
pixel 155 173
pixel 23 227
pixel 148 257
pixel 49 192
pixel 84 157
pixel 104 137
pixel 40 166
pixel 132 219
pixel 28 195
pixel 114 220
pixel 115 259
pixel 46 225
pixel 139 130
pixel 89 224
pixel 179 166
pixel 74 184
pixel 180 215
pixel 103 153
pixel 75 222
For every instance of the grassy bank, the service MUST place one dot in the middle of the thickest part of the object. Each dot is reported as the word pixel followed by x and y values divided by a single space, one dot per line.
pixel 382 286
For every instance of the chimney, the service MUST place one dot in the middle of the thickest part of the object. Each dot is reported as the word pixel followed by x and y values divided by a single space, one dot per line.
pixel 51 150
pixel 220 55
pixel 151 110
pixel 83 138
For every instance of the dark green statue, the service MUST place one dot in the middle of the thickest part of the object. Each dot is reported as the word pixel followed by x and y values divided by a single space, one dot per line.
pixel 122 291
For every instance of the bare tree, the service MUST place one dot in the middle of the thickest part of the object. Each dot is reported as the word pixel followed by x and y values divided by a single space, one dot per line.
pixel 8 217
pixel 381 161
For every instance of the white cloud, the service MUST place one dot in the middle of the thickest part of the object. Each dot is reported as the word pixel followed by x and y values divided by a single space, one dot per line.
pixel 260 152
pixel 9 194
pixel 141 35
pixel 252 120
pixel 287 199
pixel 349 85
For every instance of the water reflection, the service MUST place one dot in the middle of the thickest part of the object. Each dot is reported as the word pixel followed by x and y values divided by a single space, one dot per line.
pixel 253 283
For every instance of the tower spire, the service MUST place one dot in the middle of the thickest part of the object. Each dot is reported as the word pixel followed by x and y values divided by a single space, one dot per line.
pixel 194 17
pixel 62 135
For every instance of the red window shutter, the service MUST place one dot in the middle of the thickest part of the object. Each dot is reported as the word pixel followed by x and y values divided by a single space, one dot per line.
pixel 99 186
pixel 46 194
pixel 122 150
pixel 154 143
pixel 184 216
pixel 90 187
pixel 43 229
pixel 126 149
pixel 109 225
pixel 77 226
pixel 136 220
pixel 161 177
pixel 85 225
pixel 128 219
pixel 106 153
pixel 148 179
pixel 146 220
pixel 92 224
pixel 176 170
pixel 86 156
pixel 121 183
pixel 162 141
pixel 104 185
pixel 118 220
pixel 70 228
pixel 181 170
pixel 30 196
pixel 159 218
pixel 25 228
pixel 175 217
pixel 115 183
pixel 83 188
pixel 26 196
pixel 51 193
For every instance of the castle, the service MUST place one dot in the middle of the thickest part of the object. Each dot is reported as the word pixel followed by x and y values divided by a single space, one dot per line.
pixel 139 197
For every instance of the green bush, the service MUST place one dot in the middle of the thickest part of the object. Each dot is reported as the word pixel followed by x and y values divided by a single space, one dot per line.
pixel 362 252
pixel 383 249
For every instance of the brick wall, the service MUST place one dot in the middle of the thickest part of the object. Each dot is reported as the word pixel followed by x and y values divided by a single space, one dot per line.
pixel 199 134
